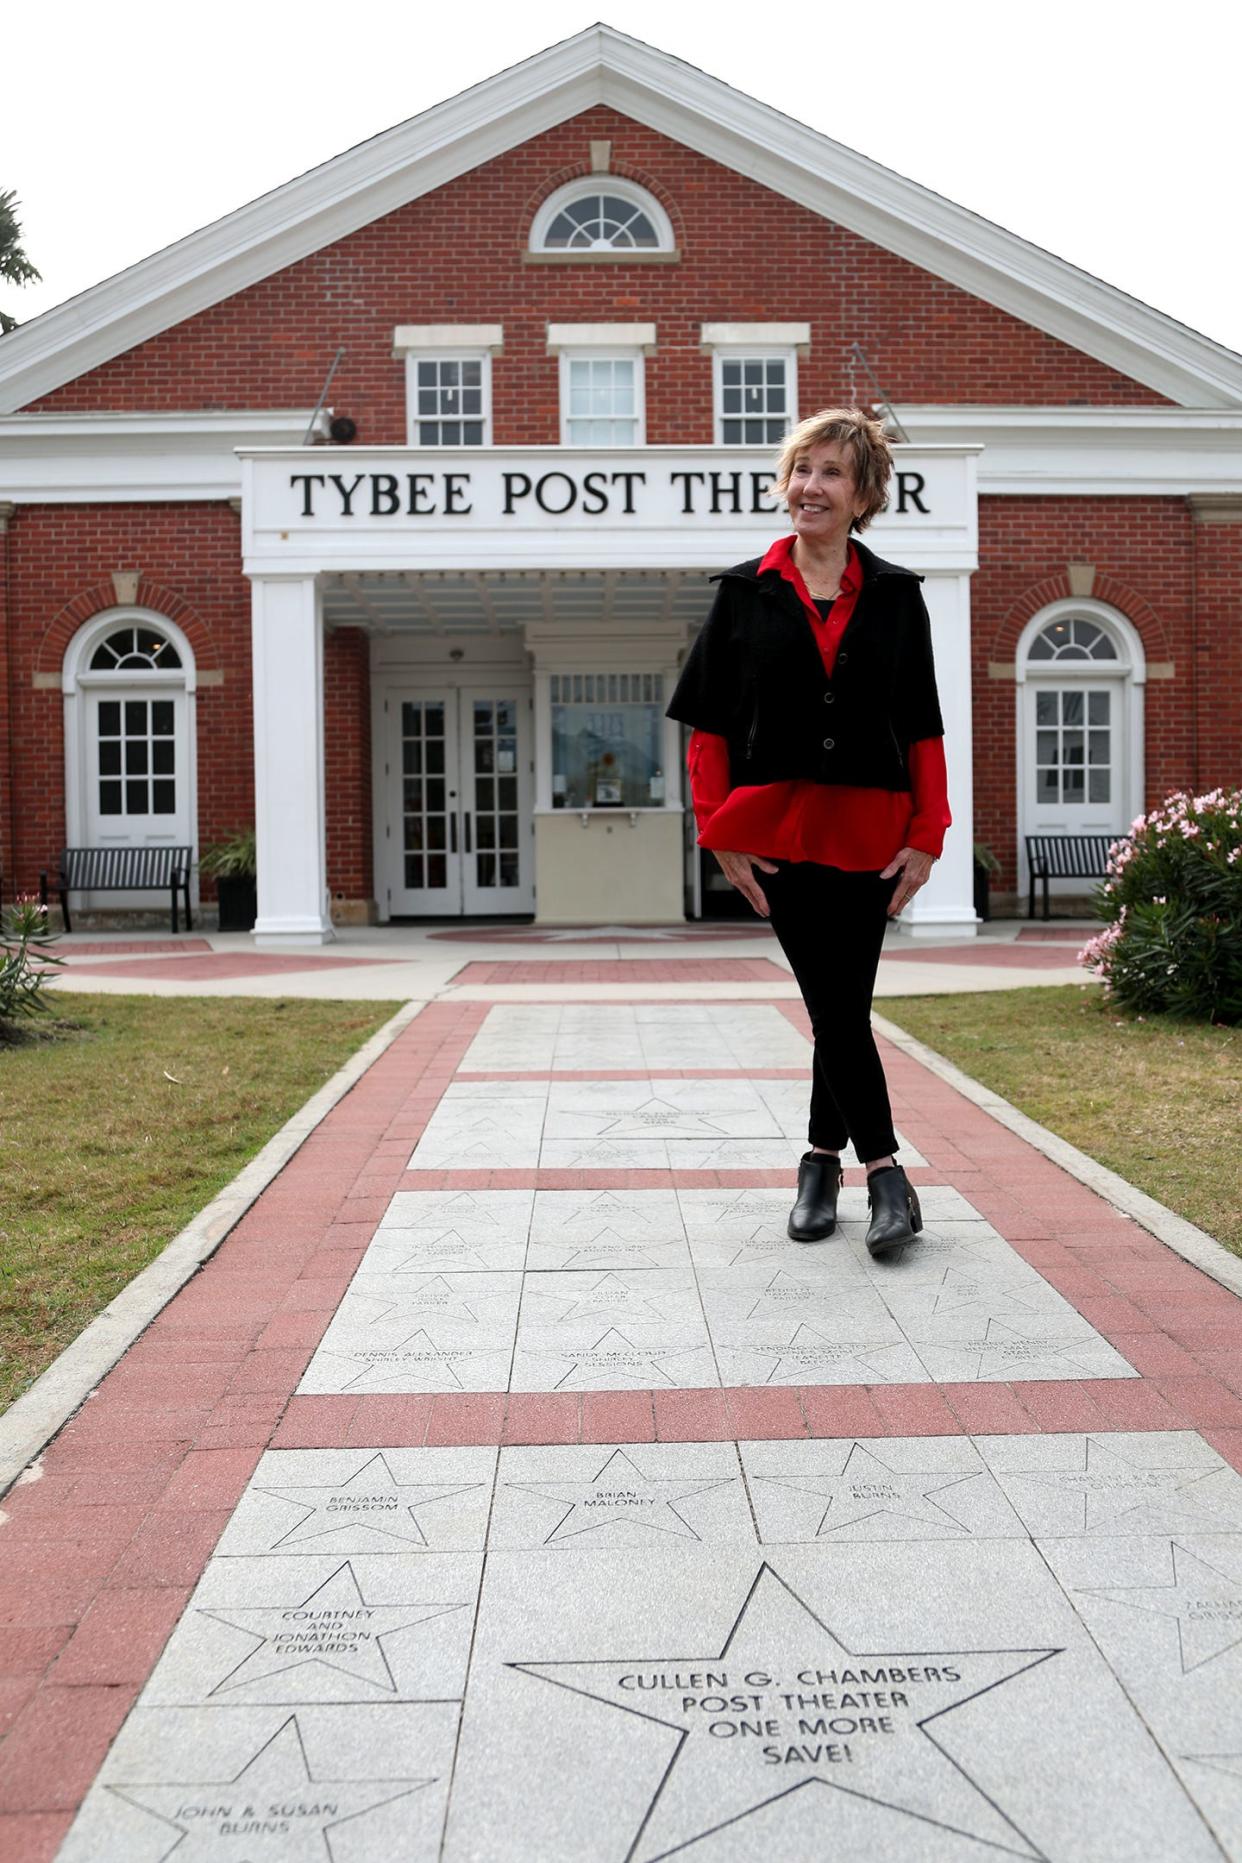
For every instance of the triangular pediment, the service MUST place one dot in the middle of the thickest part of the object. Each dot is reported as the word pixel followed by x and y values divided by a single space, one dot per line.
pixel 603 66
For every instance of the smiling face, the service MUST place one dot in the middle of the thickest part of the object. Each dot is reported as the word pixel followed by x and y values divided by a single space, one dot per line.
pixel 822 495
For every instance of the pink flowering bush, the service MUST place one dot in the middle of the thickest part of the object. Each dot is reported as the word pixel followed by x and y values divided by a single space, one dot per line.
pixel 1174 899
pixel 27 960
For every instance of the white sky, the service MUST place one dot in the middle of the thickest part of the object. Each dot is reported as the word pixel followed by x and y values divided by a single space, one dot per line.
pixel 1103 130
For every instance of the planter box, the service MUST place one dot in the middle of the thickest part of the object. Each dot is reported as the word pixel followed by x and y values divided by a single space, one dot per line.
pixel 239 904
pixel 982 891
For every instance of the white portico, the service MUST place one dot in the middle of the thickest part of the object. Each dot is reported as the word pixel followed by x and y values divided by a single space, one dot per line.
pixel 524 604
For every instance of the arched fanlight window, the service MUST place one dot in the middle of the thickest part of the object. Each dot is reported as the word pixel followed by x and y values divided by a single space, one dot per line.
pixel 134 650
pixel 601 214
pixel 1072 638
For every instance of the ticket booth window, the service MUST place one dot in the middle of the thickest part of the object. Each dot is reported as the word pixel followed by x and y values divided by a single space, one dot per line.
pixel 607 738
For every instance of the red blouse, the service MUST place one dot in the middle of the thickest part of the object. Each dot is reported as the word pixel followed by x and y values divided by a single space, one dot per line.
pixel 835 824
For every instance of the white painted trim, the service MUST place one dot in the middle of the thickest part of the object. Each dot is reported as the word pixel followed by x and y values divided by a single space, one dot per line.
pixel 756 352
pixel 596 183
pixel 412 359
pixel 563 336
pixel 38 1414
pixel 1129 452
pixel 755 335
pixel 600 65
pixel 569 354
pixel 449 337
pixel 136 458
pixel 1128 672
pixel 76 678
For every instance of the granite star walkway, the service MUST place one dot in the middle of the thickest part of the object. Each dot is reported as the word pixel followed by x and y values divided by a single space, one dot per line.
pixel 507 1486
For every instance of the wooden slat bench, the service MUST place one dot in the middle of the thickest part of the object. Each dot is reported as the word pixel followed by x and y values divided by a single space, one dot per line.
pixel 1066 857
pixel 122 870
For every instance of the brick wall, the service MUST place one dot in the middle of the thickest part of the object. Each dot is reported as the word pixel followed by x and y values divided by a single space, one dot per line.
pixel 456 256
pixel 1174 580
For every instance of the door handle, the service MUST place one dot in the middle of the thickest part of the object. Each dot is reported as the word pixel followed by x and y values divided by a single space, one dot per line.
pixel 452 834
pixel 466 825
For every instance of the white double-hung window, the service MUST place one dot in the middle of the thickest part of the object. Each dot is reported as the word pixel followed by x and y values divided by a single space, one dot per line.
pixel 601 368
pixel 448 382
pixel 754 380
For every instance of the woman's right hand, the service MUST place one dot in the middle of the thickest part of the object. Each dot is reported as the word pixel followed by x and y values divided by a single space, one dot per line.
pixel 738 870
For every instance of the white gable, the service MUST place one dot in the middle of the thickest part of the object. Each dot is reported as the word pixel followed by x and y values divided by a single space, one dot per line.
pixel 602 66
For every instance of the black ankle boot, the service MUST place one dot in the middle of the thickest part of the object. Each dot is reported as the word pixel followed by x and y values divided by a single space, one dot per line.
pixel 895 1214
pixel 814 1215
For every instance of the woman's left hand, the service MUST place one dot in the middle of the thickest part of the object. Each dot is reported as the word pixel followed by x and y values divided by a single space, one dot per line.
pixel 915 869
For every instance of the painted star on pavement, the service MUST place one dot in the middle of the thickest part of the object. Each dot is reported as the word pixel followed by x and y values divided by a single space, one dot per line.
pixel 1108 1487
pixel 1206 1603
pixel 335 1628
pixel 371 1500
pixel 833 1728
pixel 869 1489
pixel 620 1492
pixel 227 1821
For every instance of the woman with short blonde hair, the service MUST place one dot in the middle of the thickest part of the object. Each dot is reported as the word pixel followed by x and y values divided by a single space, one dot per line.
pixel 817 774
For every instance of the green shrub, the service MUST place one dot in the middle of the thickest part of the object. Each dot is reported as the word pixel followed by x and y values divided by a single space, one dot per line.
pixel 1174 899
pixel 27 960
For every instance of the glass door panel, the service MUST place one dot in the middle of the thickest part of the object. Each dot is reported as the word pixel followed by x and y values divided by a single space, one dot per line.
pixel 497 793
pixel 423 760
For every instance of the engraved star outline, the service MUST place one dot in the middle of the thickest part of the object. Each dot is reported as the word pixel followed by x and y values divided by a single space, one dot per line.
pixel 282 1759
pixel 555 1491
pixel 1097 1454
pixel 354 1667
pixel 1116 1594
pixel 1034 1658
pixel 924 1512
pixel 652 1357
pixel 293 1493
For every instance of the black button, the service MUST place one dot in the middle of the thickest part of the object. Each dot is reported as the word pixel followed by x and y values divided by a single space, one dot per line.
pixel 829 697
pixel 829 743
pixel 842 658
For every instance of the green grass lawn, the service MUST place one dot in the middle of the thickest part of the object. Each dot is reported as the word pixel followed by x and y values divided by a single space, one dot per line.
pixel 104 1158
pixel 1153 1099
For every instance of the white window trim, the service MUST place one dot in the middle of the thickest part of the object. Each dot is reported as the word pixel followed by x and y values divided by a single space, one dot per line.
pixel 601 184
pixel 445 352
pixel 77 678
pixel 606 353
pixel 751 352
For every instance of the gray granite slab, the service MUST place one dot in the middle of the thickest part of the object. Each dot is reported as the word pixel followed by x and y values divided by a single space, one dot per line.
pixel 342 1501
pixel 712 1702
pixel 929 1488
pixel 588 1496
pixel 521 1036
pixel 300 1629
pixel 1119 1483
pixel 614 1358
pixel 271 1785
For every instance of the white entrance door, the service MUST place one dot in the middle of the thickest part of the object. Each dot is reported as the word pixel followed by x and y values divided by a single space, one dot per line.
pixel 460 830
pixel 138 793
pixel 1076 742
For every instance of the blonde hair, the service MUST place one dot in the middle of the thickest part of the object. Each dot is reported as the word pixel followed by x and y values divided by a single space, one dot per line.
pixel 866 443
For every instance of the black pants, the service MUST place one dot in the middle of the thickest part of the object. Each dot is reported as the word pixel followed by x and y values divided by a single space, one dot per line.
pixel 830 925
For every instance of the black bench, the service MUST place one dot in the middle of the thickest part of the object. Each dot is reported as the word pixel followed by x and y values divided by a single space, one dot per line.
pixel 122 870
pixel 1067 857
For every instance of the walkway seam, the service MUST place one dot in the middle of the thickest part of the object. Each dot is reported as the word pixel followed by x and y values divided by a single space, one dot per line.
pixel 38 1414
pixel 1185 1238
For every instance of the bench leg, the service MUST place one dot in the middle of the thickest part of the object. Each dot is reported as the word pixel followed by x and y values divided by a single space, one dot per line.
pixel 64 907
pixel 1047 913
pixel 174 908
pixel 189 922
pixel 1030 908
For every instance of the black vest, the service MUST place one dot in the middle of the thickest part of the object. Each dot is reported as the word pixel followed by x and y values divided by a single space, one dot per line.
pixel 755 677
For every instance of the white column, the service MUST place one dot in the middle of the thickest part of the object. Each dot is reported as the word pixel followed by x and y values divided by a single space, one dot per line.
pixel 287 642
pixel 947 902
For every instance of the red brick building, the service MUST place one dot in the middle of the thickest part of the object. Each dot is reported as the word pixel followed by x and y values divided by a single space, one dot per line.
pixel 419 629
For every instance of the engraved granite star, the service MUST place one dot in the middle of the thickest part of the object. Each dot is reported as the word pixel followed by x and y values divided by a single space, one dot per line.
pixel 619 1493
pixel 417 1356
pixel 1002 1351
pixel 1109 1487
pixel 451 1243
pixel 606 1204
pixel 605 1299
pixel 810 1356
pixel 370 1501
pixel 615 1358
pixel 829 1717
pixel 334 1628
pixel 435 1297
pixel 869 1489
pixel 608 1245
pixel 274 1808
pixel 1205 1602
